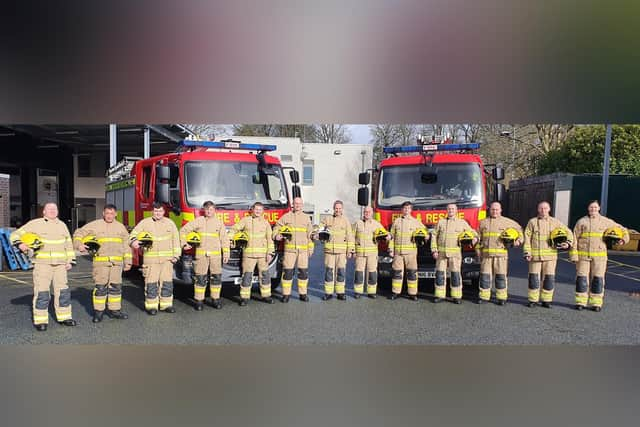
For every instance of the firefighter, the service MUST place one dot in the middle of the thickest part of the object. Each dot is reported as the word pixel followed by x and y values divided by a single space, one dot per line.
pixel 367 233
pixel 497 233
pixel 450 234
pixel 50 265
pixel 159 259
pixel 543 236
pixel 259 251
pixel 111 256
pixel 590 254
pixel 211 253
pixel 404 251
pixel 339 247
pixel 296 229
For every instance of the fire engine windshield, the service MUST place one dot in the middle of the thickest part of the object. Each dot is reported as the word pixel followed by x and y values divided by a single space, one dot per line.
pixel 234 185
pixel 431 186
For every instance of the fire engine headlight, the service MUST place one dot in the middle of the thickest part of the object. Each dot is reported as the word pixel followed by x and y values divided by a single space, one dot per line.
pixel 469 260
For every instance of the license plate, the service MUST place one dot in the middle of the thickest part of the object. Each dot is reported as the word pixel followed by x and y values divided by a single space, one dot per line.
pixel 426 274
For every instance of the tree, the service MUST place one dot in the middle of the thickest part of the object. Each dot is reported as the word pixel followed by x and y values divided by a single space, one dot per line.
pixel 332 134
pixel 583 152
pixel 306 133
pixel 209 131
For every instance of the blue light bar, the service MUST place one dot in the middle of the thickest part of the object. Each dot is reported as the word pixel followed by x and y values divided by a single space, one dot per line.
pixel 431 147
pixel 228 144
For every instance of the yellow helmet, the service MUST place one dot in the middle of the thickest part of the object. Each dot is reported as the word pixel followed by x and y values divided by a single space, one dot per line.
pixel 509 235
pixel 193 238
pixel 145 238
pixel 558 236
pixel 32 240
pixel 465 238
pixel 240 239
pixel 380 235
pixel 91 242
pixel 612 236
pixel 324 235
pixel 420 236
pixel 286 232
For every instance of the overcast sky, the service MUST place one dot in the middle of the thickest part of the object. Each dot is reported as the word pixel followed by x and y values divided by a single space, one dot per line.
pixel 360 134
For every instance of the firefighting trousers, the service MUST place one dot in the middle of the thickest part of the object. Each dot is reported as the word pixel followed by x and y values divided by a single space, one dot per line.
pixel 248 267
pixel 590 281
pixel 408 262
pixel 158 285
pixel 108 290
pixel 452 264
pixel 335 266
pixel 203 267
pixel 366 267
pixel 493 269
pixel 291 259
pixel 545 272
pixel 44 275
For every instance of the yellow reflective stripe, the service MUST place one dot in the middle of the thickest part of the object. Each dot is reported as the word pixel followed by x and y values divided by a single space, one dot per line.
pixel 71 253
pixel 494 250
pixel 163 237
pixel 298 229
pixel 257 235
pixel 78 239
pixel 52 255
pixel 107 258
pixel 456 248
pixel 400 233
pixel 591 234
pixel 255 250
pixel 158 254
pixel 544 252
pixel 295 246
pixel 63 316
pixel 210 234
pixel 115 299
pixel 337 245
pixel 206 252
pixel 372 249
pixel 128 255
pixel 53 242
pixel 110 239
pixel 589 254
pixel 43 317
pixel 491 234
pixel 404 247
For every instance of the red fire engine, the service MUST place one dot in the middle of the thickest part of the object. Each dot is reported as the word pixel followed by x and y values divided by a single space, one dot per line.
pixel 231 174
pixel 430 176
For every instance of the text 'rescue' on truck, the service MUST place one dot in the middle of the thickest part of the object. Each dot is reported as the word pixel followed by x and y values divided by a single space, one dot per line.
pixel 231 174
pixel 430 176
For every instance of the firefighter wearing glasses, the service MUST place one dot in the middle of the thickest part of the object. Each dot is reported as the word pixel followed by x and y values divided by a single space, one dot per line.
pixel 450 235
pixel 368 232
pixel 339 245
pixel 211 252
pixel 297 232
pixel 406 234
pixel 594 234
pixel 543 236
pixel 257 251
pixel 497 234
pixel 108 241
pixel 50 239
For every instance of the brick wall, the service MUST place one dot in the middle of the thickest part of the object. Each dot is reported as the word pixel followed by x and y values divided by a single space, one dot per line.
pixel 4 200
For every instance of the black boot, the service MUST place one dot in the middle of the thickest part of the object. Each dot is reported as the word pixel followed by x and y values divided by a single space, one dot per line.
pixel 285 298
pixel 216 303
pixel 117 314
pixel 393 296
pixel 97 316
pixel 327 297
pixel 152 312
pixel 413 297
pixel 597 309
pixel 169 309
pixel 356 295
pixel 482 301
pixel 457 301
pixel 68 322
pixel 268 300
pixel 198 306
pixel 437 300
pixel 342 297
pixel 372 296
pixel 501 301
pixel 531 304
pixel 243 302
pixel 579 307
pixel 304 297
pixel 546 304
pixel 41 327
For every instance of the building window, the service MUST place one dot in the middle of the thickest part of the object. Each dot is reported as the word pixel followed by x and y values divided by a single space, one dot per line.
pixel 307 172
pixel 286 158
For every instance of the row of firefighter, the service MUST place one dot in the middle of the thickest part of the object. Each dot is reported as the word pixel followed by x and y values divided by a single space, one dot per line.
pixel 52 248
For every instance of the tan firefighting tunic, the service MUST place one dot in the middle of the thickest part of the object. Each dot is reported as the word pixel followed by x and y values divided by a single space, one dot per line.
pixel 405 253
pixel 297 250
